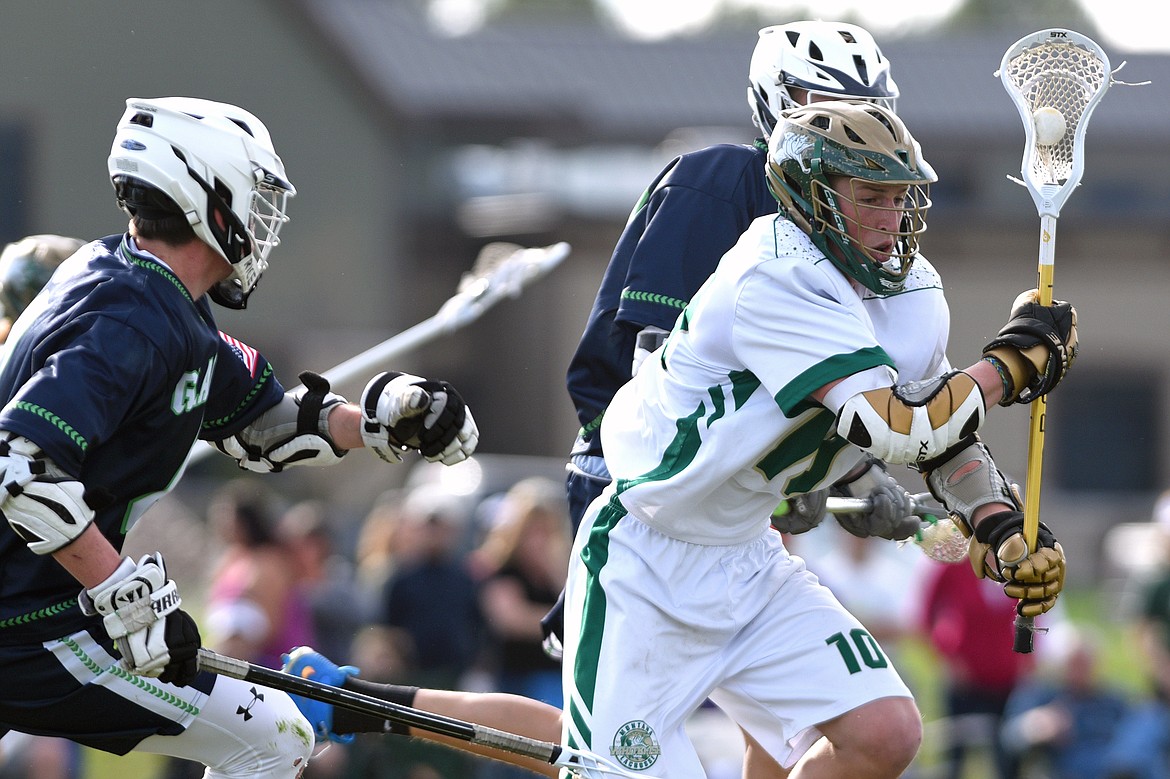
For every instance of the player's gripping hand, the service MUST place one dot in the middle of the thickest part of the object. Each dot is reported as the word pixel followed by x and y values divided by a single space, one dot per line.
pixel 139 607
pixel 1036 347
pixel 401 411
pixel 307 663
pixel 801 513
pixel 998 551
pixel 891 514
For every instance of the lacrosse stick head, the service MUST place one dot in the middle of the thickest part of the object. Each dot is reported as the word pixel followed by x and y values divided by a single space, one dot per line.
pixel 505 268
pixel 941 539
pixel 1054 75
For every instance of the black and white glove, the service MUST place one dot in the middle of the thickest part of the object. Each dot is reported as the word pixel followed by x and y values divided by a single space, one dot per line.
pixel 891 514
pixel 139 607
pixel 999 552
pixel 801 513
pixel 401 411
pixel 1035 348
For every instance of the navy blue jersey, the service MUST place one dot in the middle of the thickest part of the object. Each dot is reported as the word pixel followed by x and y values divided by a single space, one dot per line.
pixel 114 371
pixel 689 217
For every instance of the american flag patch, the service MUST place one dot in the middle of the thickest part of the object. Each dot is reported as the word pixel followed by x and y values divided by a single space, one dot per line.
pixel 246 353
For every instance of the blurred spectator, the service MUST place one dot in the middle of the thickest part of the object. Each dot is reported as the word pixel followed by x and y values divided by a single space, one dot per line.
pixel 1153 618
pixel 431 596
pixel 38 757
pixel 1060 722
pixel 256 609
pixel 521 564
pixel 337 605
pixel 431 603
pixel 1141 749
pixel 970 624
pixel 384 540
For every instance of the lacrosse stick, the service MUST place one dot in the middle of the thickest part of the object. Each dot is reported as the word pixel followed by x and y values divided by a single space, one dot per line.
pixel 501 270
pixel 1056 78
pixel 581 763
pixel 939 537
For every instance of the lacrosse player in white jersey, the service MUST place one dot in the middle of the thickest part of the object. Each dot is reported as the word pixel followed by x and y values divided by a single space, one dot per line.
pixel 818 342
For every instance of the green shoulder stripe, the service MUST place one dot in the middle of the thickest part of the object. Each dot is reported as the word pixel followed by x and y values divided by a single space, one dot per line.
pixel 836 367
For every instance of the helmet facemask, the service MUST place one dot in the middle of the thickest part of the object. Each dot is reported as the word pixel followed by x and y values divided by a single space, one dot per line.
pixel 266 216
pixel 854 145
pixel 883 272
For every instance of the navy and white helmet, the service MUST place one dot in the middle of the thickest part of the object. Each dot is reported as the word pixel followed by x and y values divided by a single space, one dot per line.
pixel 214 163
pixel 827 60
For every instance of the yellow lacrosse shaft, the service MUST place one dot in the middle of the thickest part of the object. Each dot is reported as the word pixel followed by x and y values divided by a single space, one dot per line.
pixel 1039 408
pixel 1025 626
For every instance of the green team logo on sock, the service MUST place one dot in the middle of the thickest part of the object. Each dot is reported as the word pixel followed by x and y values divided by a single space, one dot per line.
pixel 634 746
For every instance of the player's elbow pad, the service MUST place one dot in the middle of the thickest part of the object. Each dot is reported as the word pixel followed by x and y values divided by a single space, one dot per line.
pixel 43 505
pixel 913 422
pixel 295 431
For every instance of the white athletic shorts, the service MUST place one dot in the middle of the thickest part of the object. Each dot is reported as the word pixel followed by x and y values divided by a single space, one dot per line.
pixel 655 625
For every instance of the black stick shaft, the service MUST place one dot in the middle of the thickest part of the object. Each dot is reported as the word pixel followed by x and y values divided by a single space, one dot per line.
pixel 376 707
pixel 1022 644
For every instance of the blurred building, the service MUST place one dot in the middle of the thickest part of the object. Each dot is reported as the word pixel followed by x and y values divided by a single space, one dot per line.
pixel 411 149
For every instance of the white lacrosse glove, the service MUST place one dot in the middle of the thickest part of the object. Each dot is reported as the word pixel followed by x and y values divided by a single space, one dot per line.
pixel 293 432
pixel 401 411
pixel 890 516
pixel 44 505
pixel 139 607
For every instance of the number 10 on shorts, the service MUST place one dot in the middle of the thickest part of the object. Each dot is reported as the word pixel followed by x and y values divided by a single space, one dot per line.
pixel 858 644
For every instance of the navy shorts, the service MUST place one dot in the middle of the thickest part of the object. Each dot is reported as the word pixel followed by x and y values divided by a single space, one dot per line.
pixel 72 688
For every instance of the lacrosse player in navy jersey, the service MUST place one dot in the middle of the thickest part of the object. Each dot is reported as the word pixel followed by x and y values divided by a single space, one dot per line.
pixel 692 213
pixel 108 378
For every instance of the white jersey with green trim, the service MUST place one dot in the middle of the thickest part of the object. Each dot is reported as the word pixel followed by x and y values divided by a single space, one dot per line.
pixel 718 426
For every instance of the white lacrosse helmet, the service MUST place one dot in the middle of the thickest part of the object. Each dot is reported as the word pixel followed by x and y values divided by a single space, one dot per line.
pixel 829 60
pixel 214 163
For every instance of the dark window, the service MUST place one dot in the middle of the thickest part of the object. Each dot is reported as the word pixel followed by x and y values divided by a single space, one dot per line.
pixel 14 191
pixel 1104 430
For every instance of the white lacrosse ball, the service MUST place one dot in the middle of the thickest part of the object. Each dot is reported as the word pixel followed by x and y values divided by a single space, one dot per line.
pixel 1050 125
